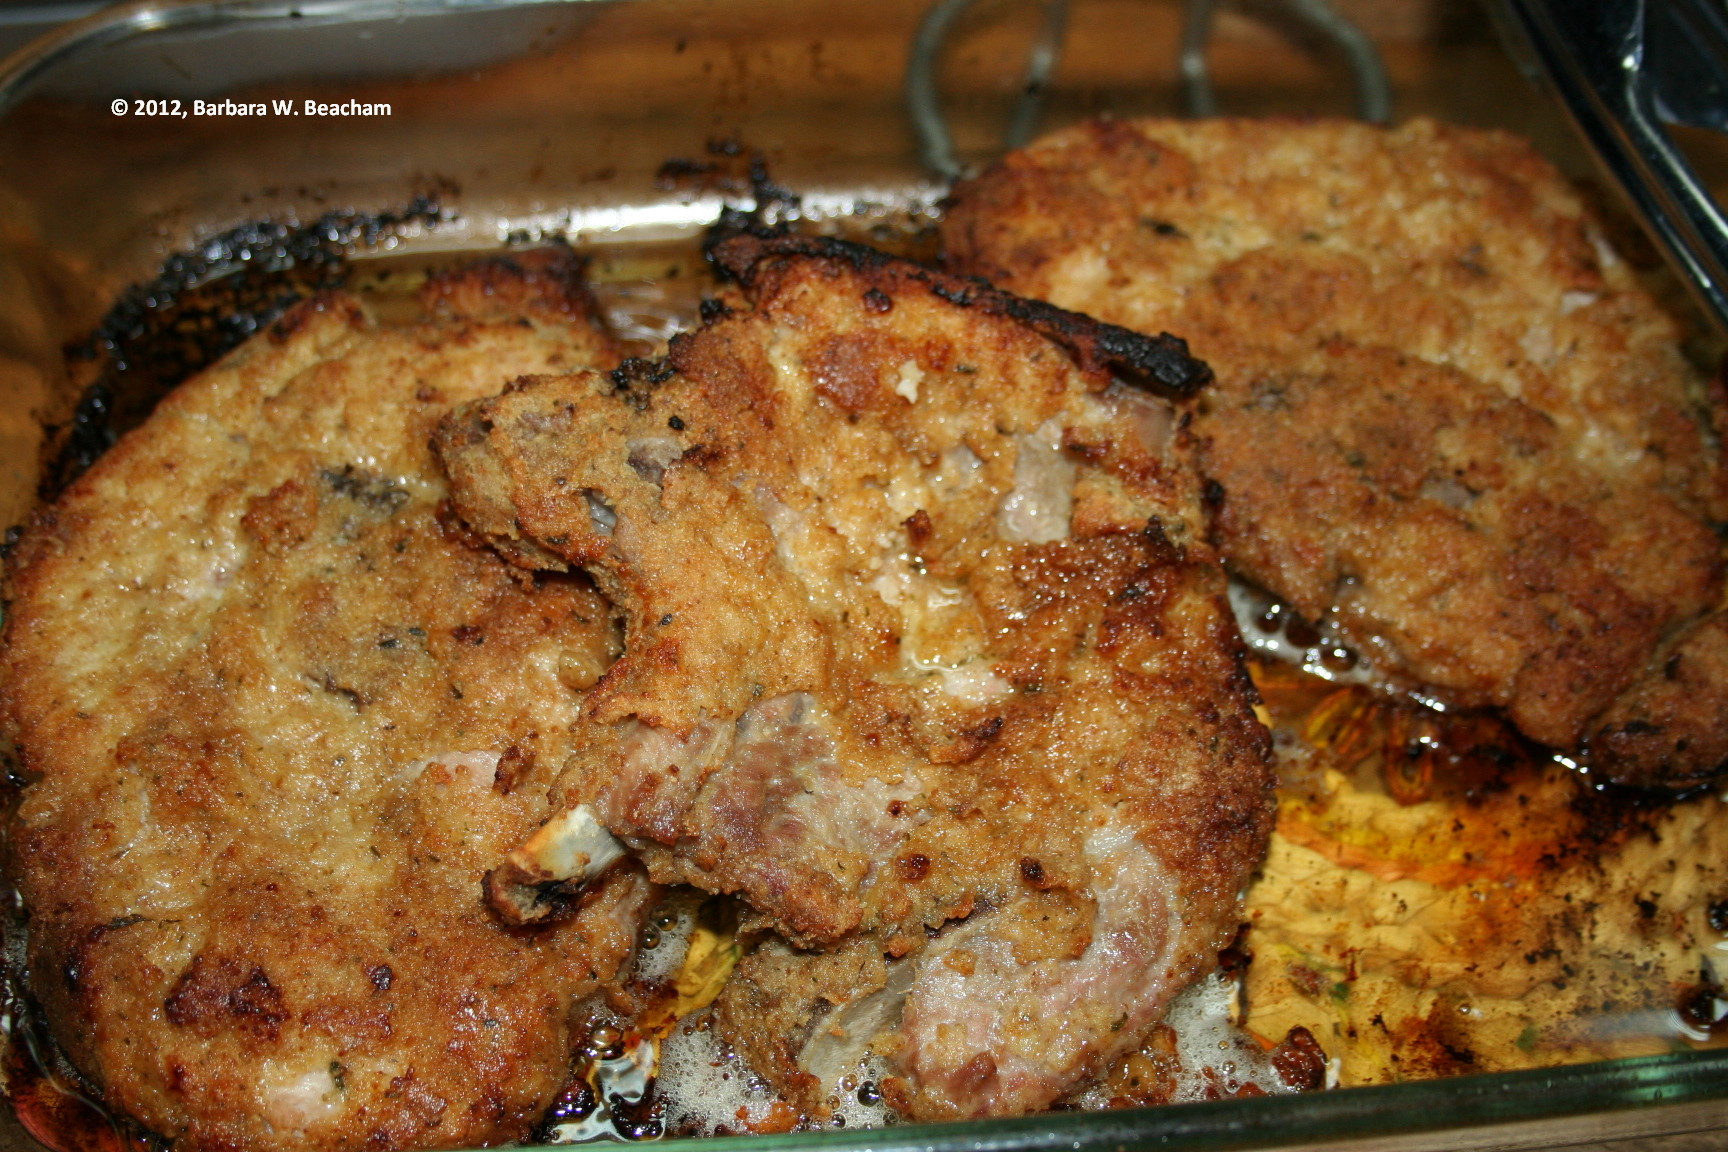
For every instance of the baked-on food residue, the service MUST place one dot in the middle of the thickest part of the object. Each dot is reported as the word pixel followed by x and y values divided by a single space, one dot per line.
pixel 926 659
pixel 1447 423
pixel 1441 897
pixel 281 713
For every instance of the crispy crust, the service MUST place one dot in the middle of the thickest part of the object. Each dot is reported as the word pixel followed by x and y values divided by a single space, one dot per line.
pixel 921 629
pixel 1159 363
pixel 1668 727
pixel 280 717
pixel 1447 420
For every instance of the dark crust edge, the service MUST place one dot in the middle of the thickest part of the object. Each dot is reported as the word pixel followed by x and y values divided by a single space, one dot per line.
pixel 738 248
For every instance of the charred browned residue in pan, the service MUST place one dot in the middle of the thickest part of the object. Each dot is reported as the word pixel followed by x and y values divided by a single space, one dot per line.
pixel 61 1120
pixel 1539 887
pixel 1300 1061
pixel 730 169
pixel 204 302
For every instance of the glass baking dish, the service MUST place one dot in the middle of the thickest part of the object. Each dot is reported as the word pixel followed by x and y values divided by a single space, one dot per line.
pixel 465 127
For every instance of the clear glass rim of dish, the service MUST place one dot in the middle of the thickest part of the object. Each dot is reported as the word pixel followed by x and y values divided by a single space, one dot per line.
pixel 20 71
pixel 1610 1094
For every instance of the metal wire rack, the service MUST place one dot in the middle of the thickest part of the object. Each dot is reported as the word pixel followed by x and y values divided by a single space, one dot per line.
pixel 1373 93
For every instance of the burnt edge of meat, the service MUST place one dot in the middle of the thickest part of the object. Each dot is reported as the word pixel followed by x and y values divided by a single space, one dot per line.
pixel 204 302
pixel 1614 750
pixel 737 246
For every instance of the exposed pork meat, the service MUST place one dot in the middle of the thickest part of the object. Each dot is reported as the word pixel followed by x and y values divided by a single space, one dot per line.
pixel 926 658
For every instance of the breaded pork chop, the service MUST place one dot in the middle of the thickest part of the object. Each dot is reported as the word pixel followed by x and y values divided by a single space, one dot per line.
pixel 926 658
pixel 1447 421
pixel 281 714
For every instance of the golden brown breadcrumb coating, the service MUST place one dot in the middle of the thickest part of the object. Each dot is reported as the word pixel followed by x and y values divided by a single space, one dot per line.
pixel 926 658
pixel 1447 421
pixel 280 713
